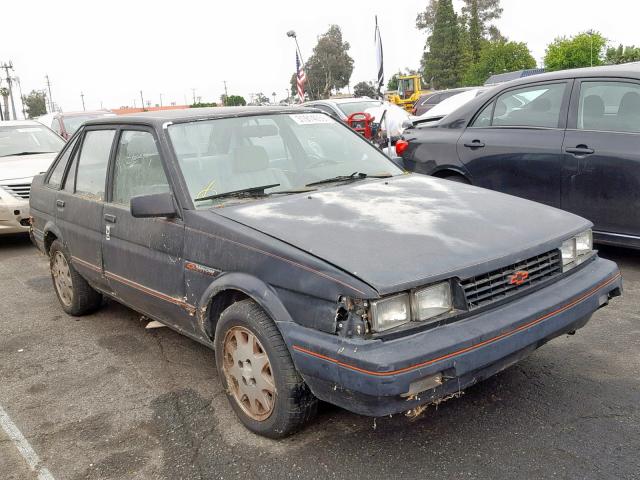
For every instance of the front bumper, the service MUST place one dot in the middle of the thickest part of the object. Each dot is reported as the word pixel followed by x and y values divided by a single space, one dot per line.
pixel 373 377
pixel 14 216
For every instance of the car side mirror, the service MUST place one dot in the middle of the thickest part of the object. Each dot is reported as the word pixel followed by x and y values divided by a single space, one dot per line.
pixel 153 205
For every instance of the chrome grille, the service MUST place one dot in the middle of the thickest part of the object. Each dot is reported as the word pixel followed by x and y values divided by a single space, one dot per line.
pixel 21 190
pixel 493 286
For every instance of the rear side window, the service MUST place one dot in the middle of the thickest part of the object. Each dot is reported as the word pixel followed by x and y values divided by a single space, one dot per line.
pixel 534 106
pixel 609 106
pixel 55 125
pixel 55 179
pixel 92 164
pixel 138 168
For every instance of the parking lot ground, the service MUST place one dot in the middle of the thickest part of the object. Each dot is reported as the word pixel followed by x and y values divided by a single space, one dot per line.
pixel 101 397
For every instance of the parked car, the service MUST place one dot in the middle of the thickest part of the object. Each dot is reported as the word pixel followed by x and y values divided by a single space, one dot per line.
pixel 445 107
pixel 66 123
pixel 396 120
pixel 341 108
pixel 27 148
pixel 570 139
pixel 429 100
pixel 314 266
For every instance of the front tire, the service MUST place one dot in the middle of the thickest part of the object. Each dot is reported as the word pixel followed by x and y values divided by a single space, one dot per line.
pixel 76 296
pixel 262 385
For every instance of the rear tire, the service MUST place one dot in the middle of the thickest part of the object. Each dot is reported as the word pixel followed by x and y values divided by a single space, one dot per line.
pixel 76 296
pixel 262 385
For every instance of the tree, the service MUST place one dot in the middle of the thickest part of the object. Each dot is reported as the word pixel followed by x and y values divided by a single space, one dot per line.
pixel 329 68
pixel 443 60
pixel 260 99
pixel 35 104
pixel 232 100
pixel 478 15
pixel 616 56
pixel 582 50
pixel 499 57
pixel 365 89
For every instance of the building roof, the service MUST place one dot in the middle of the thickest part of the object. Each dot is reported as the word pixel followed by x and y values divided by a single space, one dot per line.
pixel 506 77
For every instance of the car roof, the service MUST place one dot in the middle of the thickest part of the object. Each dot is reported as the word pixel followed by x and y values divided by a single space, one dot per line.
pixel 630 70
pixel 20 123
pixel 160 117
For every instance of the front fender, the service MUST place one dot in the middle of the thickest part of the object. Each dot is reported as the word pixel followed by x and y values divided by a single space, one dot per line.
pixel 262 293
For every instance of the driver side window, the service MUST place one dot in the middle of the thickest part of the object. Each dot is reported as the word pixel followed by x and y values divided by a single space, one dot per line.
pixel 138 168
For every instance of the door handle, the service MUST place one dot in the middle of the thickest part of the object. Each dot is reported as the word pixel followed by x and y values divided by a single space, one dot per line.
pixel 110 218
pixel 60 203
pixel 580 150
pixel 474 144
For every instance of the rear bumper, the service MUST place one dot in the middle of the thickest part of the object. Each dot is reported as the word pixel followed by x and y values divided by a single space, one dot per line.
pixel 373 377
pixel 14 216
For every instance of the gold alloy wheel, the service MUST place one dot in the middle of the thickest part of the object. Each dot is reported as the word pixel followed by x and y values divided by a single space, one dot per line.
pixel 62 278
pixel 248 372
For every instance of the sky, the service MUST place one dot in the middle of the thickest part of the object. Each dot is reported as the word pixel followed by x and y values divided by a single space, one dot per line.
pixel 111 50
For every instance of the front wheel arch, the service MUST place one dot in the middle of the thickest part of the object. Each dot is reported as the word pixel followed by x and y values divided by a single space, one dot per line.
pixel 452 174
pixel 233 287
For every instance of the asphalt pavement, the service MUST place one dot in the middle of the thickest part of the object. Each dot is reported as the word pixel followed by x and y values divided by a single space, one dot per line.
pixel 101 397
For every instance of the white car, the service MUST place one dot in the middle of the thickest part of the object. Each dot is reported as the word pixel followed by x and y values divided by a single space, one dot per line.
pixel 447 106
pixel 27 148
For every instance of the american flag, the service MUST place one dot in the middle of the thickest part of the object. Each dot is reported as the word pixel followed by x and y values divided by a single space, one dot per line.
pixel 301 78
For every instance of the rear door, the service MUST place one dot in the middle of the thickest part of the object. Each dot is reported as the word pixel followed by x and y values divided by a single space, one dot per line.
pixel 80 202
pixel 602 155
pixel 514 144
pixel 143 256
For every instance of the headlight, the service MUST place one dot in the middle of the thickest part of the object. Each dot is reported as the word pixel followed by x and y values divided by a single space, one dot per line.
pixel 575 250
pixel 422 305
pixel 390 312
pixel 432 301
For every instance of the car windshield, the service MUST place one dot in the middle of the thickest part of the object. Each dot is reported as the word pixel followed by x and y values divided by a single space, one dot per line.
pixel 357 107
pixel 28 139
pixel 270 154
pixel 71 124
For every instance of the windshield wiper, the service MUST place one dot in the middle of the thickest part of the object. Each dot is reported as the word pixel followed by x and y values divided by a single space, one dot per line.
pixel 353 176
pixel 24 153
pixel 245 192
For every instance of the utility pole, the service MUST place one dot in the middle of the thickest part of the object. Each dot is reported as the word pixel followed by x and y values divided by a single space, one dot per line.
pixel 24 113
pixel 161 100
pixel 226 94
pixel 82 97
pixel 50 96
pixel 7 67
pixel 193 91
pixel 141 100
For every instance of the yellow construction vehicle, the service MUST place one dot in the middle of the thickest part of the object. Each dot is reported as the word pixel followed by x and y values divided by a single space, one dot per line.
pixel 408 93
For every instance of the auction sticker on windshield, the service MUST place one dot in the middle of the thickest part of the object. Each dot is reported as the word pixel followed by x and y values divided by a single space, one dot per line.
pixel 311 118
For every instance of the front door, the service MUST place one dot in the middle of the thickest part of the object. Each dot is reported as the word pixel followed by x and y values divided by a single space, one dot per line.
pixel 80 202
pixel 143 256
pixel 602 155
pixel 514 144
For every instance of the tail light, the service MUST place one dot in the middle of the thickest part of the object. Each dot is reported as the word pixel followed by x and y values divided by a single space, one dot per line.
pixel 401 146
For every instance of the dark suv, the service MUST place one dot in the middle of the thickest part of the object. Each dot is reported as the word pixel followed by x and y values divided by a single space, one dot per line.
pixel 570 139
pixel 311 264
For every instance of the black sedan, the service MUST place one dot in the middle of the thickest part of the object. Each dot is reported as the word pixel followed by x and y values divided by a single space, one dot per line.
pixel 570 139
pixel 313 266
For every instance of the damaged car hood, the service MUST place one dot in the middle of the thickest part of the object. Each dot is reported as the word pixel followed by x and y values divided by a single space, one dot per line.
pixel 409 230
